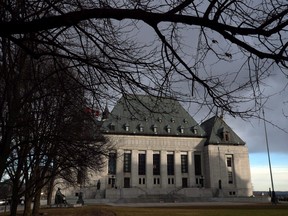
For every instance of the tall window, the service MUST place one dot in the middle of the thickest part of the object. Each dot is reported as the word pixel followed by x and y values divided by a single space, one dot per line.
pixel 184 163
pixel 170 164
pixel 230 177
pixel 156 164
pixel 229 160
pixel 197 163
pixel 229 164
pixel 142 163
pixel 112 163
pixel 127 162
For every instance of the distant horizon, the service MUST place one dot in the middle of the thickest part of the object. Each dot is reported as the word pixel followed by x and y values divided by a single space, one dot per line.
pixel 260 173
pixel 275 191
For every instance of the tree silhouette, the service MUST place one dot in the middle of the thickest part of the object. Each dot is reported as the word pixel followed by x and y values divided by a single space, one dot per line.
pixel 100 38
pixel 53 135
pixel 214 53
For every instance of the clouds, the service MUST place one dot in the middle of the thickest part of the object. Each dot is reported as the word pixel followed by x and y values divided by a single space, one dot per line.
pixel 240 69
pixel 261 178
pixel 261 174
pixel 273 90
pixel 253 133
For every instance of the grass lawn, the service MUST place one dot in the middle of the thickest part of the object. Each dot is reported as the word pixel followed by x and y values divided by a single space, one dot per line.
pixel 255 210
pixel 206 210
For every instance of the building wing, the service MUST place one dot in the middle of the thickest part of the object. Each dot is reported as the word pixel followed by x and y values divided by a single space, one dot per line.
pixel 218 132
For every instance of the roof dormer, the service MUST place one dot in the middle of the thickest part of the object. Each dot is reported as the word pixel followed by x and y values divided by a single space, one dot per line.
pixel 181 129
pixel 154 128
pixel 126 127
pixel 168 129
pixel 225 134
pixel 141 127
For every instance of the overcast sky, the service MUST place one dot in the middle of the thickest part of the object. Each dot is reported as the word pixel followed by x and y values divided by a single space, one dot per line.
pixel 253 133
pixel 251 130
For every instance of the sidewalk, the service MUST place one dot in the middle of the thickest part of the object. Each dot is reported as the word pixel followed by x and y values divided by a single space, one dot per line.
pixel 146 203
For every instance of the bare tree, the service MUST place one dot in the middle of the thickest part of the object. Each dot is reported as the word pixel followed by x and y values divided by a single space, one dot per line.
pixel 124 47
pixel 97 37
pixel 51 132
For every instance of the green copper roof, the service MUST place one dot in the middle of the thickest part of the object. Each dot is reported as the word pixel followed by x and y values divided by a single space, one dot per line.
pixel 218 132
pixel 147 115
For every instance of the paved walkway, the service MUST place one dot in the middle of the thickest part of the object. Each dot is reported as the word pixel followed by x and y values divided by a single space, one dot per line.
pixel 178 204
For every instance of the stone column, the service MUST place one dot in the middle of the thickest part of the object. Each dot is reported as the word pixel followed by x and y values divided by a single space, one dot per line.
pixel 149 169
pixel 177 169
pixel 163 169
pixel 134 168
pixel 191 169
pixel 119 178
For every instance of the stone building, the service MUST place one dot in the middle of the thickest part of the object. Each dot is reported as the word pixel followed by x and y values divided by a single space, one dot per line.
pixel 160 150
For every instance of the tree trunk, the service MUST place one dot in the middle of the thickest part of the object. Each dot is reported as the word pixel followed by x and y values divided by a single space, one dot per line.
pixel 27 206
pixel 6 138
pixel 49 191
pixel 13 206
pixel 15 198
pixel 4 153
pixel 36 206
pixel 49 197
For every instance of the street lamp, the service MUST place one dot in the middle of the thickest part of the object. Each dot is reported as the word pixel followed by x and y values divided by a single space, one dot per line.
pixel 273 195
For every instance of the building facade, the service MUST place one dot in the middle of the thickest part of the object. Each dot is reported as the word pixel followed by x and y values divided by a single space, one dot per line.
pixel 160 150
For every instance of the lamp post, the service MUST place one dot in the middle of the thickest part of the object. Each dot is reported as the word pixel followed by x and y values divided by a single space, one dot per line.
pixel 273 195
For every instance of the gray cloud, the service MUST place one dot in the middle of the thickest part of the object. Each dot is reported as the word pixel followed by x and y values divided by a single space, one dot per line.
pixel 250 130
